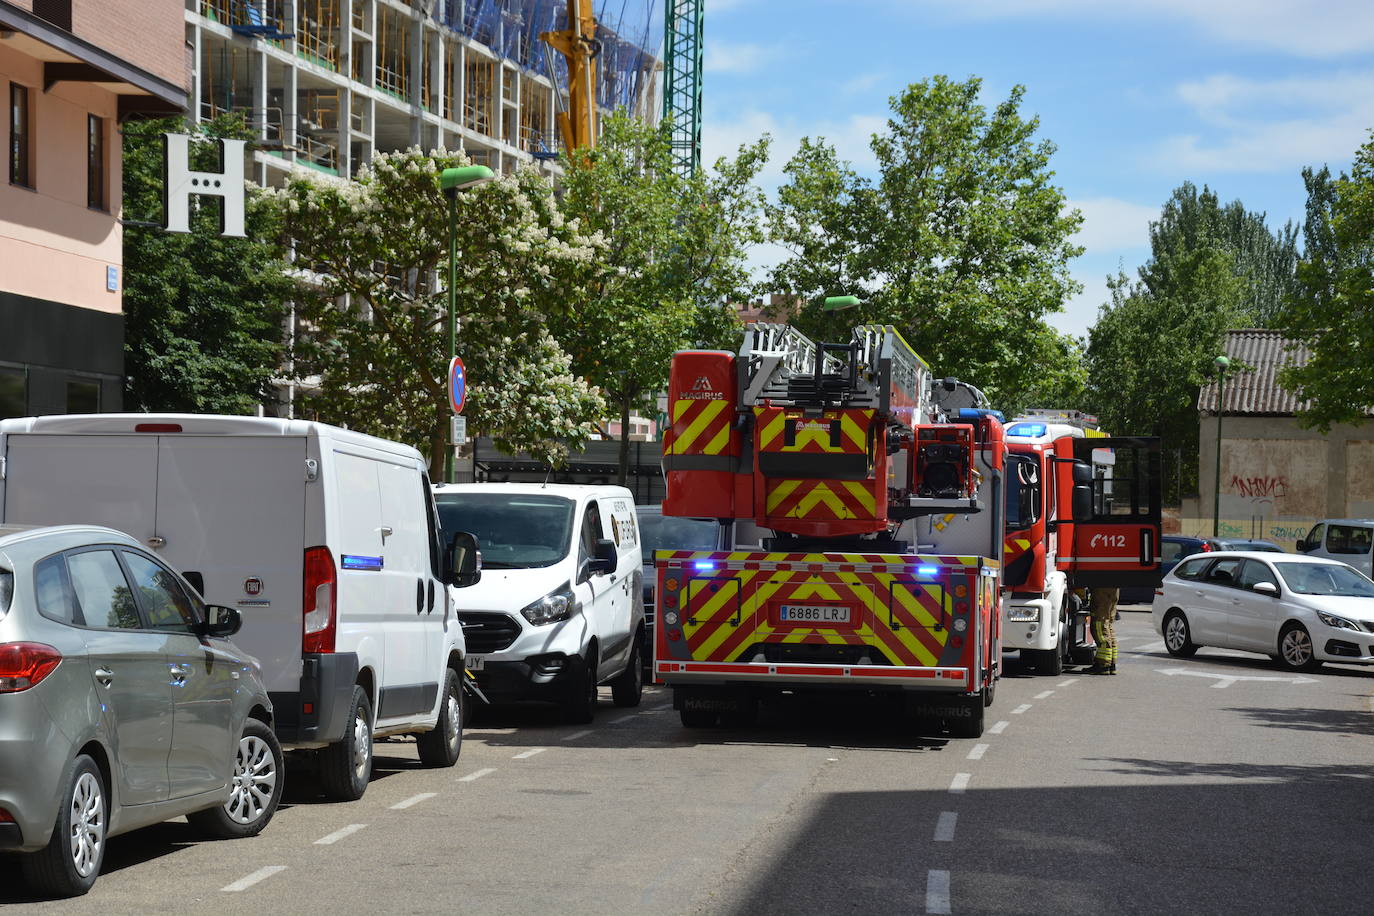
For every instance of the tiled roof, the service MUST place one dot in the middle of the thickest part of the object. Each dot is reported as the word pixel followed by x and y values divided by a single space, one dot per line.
pixel 1256 391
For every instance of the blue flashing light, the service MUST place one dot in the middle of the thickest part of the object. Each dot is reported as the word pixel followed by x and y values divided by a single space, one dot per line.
pixel 977 413
pixel 1030 430
pixel 704 565
pixel 927 571
pixel 355 562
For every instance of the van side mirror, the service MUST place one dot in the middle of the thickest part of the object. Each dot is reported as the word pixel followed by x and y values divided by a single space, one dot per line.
pixel 220 621
pixel 462 560
pixel 1302 545
pixel 604 559
pixel 1266 588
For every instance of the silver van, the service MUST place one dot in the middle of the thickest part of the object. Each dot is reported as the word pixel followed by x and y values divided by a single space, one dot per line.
pixel 1350 540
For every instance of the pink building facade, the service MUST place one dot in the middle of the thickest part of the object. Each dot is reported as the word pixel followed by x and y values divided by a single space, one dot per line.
pixel 70 72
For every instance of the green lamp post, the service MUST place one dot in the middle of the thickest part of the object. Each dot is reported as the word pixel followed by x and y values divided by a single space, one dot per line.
pixel 1222 363
pixel 835 303
pixel 451 181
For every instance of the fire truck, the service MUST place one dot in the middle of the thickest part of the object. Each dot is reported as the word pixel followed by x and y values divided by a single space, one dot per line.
pixel 861 530
pixel 1053 549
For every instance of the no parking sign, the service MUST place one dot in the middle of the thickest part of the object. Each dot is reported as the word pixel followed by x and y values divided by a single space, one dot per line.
pixel 457 385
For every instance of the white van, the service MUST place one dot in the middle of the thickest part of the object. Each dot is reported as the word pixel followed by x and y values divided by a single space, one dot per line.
pixel 325 540
pixel 558 611
pixel 1350 540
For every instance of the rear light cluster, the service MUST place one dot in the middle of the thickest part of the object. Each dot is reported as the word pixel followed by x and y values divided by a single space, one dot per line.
pixel 1206 546
pixel 319 620
pixel 24 664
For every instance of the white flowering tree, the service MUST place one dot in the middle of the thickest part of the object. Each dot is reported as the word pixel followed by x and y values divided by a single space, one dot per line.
pixel 372 333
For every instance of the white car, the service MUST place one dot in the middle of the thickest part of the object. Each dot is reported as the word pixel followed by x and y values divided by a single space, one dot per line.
pixel 1300 611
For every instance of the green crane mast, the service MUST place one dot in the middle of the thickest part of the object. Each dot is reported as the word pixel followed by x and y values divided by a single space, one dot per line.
pixel 682 88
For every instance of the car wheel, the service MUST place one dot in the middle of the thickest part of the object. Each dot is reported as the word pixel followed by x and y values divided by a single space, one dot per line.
pixel 441 745
pixel 1295 649
pixel 628 688
pixel 70 863
pixel 580 706
pixel 255 789
pixel 346 765
pixel 1178 640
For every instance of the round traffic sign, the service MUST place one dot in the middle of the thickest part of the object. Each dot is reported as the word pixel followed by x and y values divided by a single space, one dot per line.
pixel 457 384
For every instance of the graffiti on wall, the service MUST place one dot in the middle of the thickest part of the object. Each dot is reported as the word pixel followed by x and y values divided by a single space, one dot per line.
pixel 1260 489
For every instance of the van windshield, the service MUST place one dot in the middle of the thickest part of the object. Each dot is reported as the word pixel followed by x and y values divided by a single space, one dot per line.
pixel 513 530
pixel 1325 579
pixel 668 532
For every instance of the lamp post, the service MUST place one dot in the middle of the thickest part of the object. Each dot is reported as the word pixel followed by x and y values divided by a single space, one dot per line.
pixel 451 181
pixel 1222 363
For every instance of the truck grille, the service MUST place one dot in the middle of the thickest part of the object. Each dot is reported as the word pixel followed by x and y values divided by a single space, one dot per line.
pixel 486 632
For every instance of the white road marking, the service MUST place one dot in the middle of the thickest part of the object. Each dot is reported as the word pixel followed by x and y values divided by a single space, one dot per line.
pixel 1226 680
pixel 959 783
pixel 1148 648
pixel 937 891
pixel 575 735
pixel 1068 683
pixel 977 752
pixel 1044 695
pixel 339 834
pixel 999 728
pixel 621 720
pixel 525 755
pixel 477 774
pixel 944 827
pixel 413 800
pixel 248 881
pixel 1020 709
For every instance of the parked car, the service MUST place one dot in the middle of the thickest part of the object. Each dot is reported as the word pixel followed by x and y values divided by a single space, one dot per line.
pixel 558 611
pixel 1172 548
pixel 326 540
pixel 122 704
pixel 667 532
pixel 1300 611
pixel 1247 544
pixel 1350 540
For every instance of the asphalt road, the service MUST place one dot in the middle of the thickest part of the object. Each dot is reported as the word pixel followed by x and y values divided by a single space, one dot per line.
pixel 1217 784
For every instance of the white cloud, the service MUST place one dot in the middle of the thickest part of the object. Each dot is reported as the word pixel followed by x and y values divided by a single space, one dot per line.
pixel 1110 223
pixel 1080 312
pixel 1328 28
pixel 746 57
pixel 861 83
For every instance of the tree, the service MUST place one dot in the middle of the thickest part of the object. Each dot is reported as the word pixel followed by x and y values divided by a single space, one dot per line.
pixel 673 258
pixel 203 314
pixel 963 242
pixel 373 345
pixel 1330 312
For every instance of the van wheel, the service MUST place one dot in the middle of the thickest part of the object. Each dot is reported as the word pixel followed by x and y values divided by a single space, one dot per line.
pixel 579 708
pixel 255 789
pixel 441 745
pixel 627 689
pixel 346 765
pixel 699 718
pixel 70 863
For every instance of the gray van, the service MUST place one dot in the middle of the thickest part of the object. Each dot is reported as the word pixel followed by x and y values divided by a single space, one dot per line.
pixel 1350 540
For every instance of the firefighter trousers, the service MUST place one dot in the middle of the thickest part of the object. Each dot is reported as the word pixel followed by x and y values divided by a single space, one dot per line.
pixel 1103 608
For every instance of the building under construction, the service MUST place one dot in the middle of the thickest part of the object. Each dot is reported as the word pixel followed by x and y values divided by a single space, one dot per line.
pixel 328 83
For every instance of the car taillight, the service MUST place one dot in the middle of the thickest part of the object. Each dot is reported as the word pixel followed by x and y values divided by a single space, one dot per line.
pixel 318 604
pixel 23 664
pixel 6 817
pixel 1206 547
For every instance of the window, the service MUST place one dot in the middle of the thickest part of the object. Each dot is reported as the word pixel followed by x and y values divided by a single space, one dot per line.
pixel 21 136
pixel 14 395
pixel 1171 551
pixel 1023 492
pixel 95 163
pixel 106 599
pixel 1191 569
pixel 6 591
pixel 1325 579
pixel 163 599
pixel 1224 572
pixel 1348 539
pixel 1314 537
pixel 53 591
pixel 591 532
pixel 83 396
pixel 1255 572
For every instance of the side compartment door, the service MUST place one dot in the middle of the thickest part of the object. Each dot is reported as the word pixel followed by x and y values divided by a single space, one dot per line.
pixel 1117 544
pixel 415 635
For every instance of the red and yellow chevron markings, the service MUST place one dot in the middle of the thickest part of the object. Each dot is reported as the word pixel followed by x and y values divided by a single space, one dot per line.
pixel 813 436
pixel 837 499
pixel 699 427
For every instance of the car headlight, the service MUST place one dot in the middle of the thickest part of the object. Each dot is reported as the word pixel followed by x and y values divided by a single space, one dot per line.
pixel 1340 623
pixel 1023 613
pixel 557 605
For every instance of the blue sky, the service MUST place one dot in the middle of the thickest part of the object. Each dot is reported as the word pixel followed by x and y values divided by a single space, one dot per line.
pixel 1138 95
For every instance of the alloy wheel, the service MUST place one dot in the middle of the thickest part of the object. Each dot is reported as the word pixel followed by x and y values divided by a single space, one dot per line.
pixel 255 780
pixel 1297 647
pixel 87 824
pixel 362 744
pixel 455 717
pixel 1176 633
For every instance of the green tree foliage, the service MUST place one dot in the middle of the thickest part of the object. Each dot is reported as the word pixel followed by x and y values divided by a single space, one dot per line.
pixel 963 242
pixel 203 314
pixel 674 257
pixel 372 345
pixel 1331 311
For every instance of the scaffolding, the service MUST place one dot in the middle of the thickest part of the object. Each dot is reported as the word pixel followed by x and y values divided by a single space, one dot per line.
pixel 479 95
pixel 318 32
pixel 393 53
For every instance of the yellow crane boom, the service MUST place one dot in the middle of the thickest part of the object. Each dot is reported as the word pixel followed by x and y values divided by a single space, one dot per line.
pixel 578 44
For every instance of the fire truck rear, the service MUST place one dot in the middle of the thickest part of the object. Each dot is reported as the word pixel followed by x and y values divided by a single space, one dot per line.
pixel 861 531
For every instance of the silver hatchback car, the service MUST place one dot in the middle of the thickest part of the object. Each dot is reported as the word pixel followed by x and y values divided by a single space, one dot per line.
pixel 122 704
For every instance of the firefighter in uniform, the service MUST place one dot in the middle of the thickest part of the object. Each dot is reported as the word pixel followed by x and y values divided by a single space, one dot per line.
pixel 1102 606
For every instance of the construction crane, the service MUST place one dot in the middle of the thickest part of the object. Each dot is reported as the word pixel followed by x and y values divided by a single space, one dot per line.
pixel 682 88
pixel 579 46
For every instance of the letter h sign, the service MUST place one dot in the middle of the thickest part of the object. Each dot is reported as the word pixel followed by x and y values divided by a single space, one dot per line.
pixel 179 183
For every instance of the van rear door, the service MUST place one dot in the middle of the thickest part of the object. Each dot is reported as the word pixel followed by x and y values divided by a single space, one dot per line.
pixel 82 480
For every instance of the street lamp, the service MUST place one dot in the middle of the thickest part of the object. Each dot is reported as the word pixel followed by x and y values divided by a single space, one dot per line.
pixel 1222 363
pixel 451 181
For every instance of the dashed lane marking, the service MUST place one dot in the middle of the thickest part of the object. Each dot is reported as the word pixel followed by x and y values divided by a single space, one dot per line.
pixel 959 783
pixel 1044 695
pixel 339 834
pixel 1020 709
pixel 1148 648
pixel 526 755
pixel 575 735
pixel 999 727
pixel 248 881
pixel 977 752
pixel 413 800
pixel 477 774
pixel 937 891
pixel 1068 683
pixel 944 827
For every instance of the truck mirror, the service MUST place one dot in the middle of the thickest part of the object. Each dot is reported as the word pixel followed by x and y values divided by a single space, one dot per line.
pixel 462 561
pixel 1082 503
pixel 1082 472
pixel 605 559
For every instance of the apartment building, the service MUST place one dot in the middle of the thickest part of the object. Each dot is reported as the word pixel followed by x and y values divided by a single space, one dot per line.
pixel 70 71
